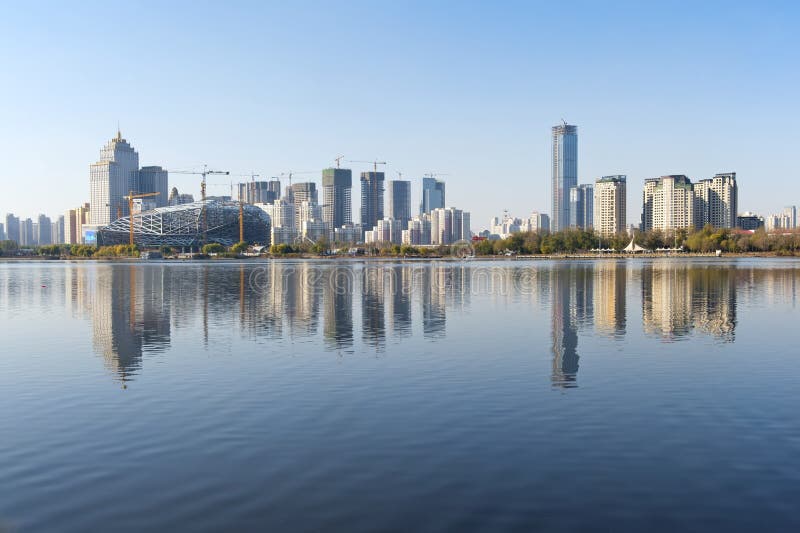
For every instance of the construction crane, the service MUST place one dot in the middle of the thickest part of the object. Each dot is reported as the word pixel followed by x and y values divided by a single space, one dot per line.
pixel 131 196
pixel 373 163
pixel 204 173
pixel 434 174
pixel 338 160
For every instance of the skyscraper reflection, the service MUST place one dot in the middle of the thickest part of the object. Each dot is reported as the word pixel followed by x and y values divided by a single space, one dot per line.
pixel 134 308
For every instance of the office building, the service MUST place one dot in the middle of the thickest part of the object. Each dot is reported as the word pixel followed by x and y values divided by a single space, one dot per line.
pixel 371 198
pixel 58 230
pixel 12 228
pixel 749 221
pixel 610 205
pixel 155 179
pixel 433 196
pixel 110 179
pixel 2 232
pixel 581 206
pixel 565 172
pixel 668 204
pixel 398 200
pixel 337 185
pixel 716 201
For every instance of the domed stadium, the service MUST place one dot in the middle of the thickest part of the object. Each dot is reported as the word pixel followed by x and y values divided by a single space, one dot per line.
pixel 182 226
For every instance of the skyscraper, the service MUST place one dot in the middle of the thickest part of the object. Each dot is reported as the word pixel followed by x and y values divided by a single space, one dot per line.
pixel 371 198
pixel 432 195
pixel 337 203
pixel 12 228
pixel 565 172
pixel 716 201
pixel 44 230
pixel 610 205
pixel 581 206
pixel 154 179
pixel 110 179
pixel 398 201
pixel 259 192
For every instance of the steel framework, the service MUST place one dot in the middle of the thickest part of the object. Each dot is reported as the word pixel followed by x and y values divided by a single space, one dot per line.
pixel 182 225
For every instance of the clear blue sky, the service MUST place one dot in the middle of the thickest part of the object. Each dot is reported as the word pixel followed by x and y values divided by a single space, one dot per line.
pixel 464 88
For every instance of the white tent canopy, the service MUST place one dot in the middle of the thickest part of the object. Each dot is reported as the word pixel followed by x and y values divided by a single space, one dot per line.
pixel 633 248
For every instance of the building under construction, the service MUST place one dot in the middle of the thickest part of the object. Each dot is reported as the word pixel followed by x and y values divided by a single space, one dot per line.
pixel 190 225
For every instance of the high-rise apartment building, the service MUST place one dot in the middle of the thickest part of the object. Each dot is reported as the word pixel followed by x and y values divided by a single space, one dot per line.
pixel 337 203
pixel 610 205
pixel 12 228
pixel 26 233
pixel 581 206
pixel 398 201
pixel 110 179
pixel 259 192
pixel 371 198
pixel 44 230
pixel 790 211
pixel 565 172
pixel 58 230
pixel 716 201
pixel 154 179
pixel 432 195
pixel 2 232
pixel 668 203
pixel 449 225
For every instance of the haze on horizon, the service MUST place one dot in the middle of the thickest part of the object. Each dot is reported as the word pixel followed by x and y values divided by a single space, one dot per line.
pixel 464 88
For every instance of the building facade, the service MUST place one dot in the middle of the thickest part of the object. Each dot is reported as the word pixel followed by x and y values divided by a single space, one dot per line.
pixel 565 172
pixel 610 205
pixel 371 198
pixel 111 178
pixel 581 206
pixel 433 195
pixel 398 200
pixel 12 228
pixel 154 179
pixel 668 204
pixel 716 201
pixel 337 203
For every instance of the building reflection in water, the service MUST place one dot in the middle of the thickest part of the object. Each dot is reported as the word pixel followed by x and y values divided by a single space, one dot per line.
pixel 679 298
pixel 134 308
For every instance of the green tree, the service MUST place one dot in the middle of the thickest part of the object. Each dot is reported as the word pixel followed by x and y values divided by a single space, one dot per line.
pixel 239 248
pixel 213 248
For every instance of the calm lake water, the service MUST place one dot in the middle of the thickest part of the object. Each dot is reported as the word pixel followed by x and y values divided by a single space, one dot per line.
pixel 335 396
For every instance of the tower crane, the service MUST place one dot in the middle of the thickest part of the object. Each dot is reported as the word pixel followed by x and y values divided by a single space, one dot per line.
pixel 130 199
pixel 373 163
pixel 205 172
pixel 338 160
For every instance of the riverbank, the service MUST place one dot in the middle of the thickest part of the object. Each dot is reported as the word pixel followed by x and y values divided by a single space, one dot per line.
pixel 380 258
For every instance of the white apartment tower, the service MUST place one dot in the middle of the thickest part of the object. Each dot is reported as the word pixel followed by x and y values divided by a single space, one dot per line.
pixel 610 205
pixel 111 179
pixel 668 203
pixel 716 201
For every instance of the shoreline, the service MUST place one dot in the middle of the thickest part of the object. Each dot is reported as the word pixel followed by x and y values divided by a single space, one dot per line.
pixel 369 258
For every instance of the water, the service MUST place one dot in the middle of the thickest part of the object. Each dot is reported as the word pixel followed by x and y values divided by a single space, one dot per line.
pixel 338 396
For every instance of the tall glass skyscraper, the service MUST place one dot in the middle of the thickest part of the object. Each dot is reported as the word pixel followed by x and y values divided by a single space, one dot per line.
pixel 398 201
pixel 432 195
pixel 565 172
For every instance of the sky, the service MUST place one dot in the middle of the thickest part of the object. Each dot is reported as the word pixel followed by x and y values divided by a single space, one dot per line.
pixel 468 90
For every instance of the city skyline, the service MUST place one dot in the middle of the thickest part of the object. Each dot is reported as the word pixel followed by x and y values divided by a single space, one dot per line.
pixel 252 120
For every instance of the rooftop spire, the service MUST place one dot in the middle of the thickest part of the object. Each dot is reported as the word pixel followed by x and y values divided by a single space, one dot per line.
pixel 119 133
